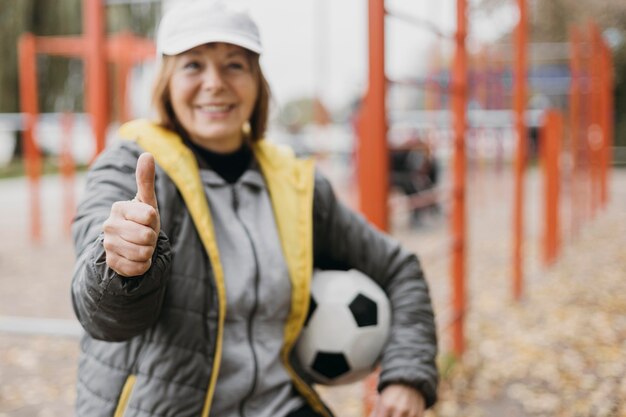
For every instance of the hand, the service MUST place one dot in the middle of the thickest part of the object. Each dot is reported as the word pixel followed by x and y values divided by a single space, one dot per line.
pixel 132 229
pixel 399 400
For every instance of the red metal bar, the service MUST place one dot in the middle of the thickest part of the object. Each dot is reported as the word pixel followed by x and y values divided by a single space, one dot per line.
pixel 122 48
pixel 459 105
pixel 372 151
pixel 67 171
pixel 520 162
pixel 551 150
pixel 27 51
pixel 67 46
pixel 96 67
pixel 138 49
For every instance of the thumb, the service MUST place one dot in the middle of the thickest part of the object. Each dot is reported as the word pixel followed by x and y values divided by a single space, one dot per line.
pixel 145 179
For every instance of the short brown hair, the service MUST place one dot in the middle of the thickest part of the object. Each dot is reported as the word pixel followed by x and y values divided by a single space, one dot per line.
pixel 161 99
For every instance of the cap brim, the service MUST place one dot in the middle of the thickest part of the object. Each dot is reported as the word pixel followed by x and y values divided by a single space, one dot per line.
pixel 177 46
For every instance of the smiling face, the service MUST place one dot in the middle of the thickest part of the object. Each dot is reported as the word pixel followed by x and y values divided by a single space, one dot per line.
pixel 213 90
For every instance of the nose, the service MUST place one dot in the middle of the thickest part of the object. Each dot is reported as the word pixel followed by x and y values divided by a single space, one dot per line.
pixel 213 79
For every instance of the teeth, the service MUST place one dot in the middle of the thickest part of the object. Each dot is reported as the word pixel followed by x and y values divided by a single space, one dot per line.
pixel 215 108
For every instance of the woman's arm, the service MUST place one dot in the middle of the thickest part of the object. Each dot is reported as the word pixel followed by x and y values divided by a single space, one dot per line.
pixel 344 240
pixel 108 305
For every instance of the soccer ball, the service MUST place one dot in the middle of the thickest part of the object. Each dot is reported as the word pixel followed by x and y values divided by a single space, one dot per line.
pixel 346 328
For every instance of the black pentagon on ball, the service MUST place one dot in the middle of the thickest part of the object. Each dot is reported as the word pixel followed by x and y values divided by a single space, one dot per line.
pixel 331 365
pixel 364 310
pixel 312 307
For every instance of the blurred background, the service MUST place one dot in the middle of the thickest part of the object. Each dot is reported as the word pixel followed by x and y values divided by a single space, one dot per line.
pixel 512 195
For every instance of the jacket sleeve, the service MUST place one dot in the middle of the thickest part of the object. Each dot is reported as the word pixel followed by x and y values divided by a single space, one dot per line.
pixel 344 240
pixel 111 307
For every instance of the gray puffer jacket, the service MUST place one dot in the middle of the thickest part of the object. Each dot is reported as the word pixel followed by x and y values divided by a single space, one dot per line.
pixel 157 335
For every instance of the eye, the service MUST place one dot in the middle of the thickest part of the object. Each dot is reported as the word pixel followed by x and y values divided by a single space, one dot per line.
pixel 237 65
pixel 191 65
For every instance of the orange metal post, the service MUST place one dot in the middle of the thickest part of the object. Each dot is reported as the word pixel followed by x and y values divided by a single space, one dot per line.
pixel 520 163
pixel 459 105
pixel 124 66
pixel 373 150
pixel 373 153
pixel 27 49
pixel 551 150
pixel 67 171
pixel 575 128
pixel 96 67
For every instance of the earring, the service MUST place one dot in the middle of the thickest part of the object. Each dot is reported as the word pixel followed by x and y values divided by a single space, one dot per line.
pixel 246 129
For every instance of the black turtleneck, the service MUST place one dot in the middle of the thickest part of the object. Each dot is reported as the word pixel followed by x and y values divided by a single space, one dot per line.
pixel 230 166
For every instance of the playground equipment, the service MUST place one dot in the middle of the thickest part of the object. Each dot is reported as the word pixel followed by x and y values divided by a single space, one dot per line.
pixel 96 50
pixel 373 148
pixel 484 79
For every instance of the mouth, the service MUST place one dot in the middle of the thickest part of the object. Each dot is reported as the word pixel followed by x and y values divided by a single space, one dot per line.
pixel 215 109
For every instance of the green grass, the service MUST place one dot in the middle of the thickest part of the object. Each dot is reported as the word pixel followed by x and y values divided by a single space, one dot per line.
pixel 16 168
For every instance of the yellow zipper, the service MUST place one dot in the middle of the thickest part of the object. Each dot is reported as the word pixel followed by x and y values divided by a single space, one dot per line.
pixel 125 396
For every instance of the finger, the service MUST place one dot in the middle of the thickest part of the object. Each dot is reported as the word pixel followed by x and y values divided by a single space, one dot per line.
pixel 127 268
pixel 133 227
pixel 142 215
pixel 145 180
pixel 138 234
pixel 116 246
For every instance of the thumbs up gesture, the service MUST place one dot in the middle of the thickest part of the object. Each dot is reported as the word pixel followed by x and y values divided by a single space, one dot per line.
pixel 132 229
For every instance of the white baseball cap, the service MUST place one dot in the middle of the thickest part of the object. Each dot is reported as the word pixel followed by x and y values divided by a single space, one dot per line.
pixel 190 24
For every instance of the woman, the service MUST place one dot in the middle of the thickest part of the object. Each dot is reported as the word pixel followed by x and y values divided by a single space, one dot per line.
pixel 192 274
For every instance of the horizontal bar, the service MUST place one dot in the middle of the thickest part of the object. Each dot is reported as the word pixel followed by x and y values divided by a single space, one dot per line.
pixel 538 51
pixel 419 22
pixel 426 85
pixel 130 2
pixel 40 326
pixel 475 118
pixel 15 121
pixel 126 44
pixel 69 46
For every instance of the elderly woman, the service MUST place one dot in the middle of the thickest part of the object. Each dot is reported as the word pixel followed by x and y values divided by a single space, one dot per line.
pixel 196 242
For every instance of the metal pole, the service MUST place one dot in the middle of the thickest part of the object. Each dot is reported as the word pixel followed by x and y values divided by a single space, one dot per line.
pixel 459 105
pixel 550 150
pixel 372 151
pixel 96 68
pixel 27 50
pixel 67 172
pixel 520 163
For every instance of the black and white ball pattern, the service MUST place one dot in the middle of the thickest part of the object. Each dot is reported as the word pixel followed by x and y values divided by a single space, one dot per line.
pixel 346 328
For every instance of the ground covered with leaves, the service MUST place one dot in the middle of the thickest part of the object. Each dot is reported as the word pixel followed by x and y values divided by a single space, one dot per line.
pixel 561 351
